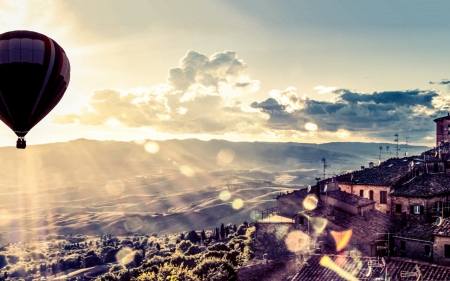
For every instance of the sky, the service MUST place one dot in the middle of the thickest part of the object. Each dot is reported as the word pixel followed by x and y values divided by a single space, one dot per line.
pixel 278 71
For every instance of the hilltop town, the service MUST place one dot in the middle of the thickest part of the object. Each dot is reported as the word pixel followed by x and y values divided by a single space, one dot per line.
pixel 384 221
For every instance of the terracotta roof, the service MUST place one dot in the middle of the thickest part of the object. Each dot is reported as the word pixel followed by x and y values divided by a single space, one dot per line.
pixel 441 118
pixel 384 174
pixel 418 231
pixel 367 228
pixel 350 198
pixel 425 185
pixel 444 229
pixel 357 266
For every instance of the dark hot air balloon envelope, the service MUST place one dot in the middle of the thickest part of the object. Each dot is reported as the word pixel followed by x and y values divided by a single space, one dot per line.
pixel 34 74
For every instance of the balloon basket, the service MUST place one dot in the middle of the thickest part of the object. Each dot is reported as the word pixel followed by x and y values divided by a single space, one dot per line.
pixel 21 144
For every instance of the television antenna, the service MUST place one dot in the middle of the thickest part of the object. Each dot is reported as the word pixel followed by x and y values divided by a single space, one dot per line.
pixel 397 148
pixel 381 152
pixel 406 146
pixel 325 166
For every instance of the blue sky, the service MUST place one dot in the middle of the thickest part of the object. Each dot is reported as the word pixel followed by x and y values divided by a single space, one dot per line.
pixel 302 71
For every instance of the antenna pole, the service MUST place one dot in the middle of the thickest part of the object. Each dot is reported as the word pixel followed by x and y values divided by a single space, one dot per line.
pixel 397 149
pixel 325 166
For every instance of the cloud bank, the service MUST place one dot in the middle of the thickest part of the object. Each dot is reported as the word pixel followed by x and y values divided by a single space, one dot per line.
pixel 203 95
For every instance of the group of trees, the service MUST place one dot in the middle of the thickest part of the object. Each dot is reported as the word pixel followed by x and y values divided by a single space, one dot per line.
pixel 194 255
pixel 190 262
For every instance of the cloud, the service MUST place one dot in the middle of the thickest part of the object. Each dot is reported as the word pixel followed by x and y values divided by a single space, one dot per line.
pixel 204 95
pixel 376 116
pixel 324 90
pixel 443 82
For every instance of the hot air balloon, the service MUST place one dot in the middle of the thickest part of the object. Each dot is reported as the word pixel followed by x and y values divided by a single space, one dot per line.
pixel 34 74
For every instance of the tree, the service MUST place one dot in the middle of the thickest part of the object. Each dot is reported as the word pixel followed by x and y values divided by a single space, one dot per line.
pixel 222 231
pixel 215 270
pixel 203 235
pixel 183 246
pixel 3 261
pixel 217 234
pixel 193 236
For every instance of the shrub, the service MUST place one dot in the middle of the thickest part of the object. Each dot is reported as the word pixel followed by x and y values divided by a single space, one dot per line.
pixel 169 272
pixel 218 247
pixel 183 246
pixel 215 270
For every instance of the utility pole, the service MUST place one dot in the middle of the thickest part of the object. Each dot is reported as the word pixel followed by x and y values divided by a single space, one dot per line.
pixel 325 166
pixel 406 146
pixel 396 140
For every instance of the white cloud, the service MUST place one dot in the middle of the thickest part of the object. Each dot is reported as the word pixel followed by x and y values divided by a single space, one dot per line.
pixel 324 90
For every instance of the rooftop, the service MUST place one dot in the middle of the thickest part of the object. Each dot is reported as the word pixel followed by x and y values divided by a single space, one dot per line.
pixel 385 174
pixel 357 267
pixel 350 198
pixel 442 118
pixel 425 185
pixel 365 228
pixel 418 231
pixel 443 229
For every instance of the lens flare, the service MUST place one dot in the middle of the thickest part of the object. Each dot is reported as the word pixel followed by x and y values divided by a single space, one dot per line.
pixel 281 232
pixel 310 202
pixel 327 262
pixel 115 187
pixel 342 238
pixel 133 224
pixel 187 171
pixel 255 215
pixel 151 147
pixel 125 256
pixel 237 204
pixel 225 156
pixel 297 241
pixel 318 224
pixel 225 195
pixel 311 126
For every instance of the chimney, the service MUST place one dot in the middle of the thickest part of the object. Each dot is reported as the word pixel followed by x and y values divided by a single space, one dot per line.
pixel 370 165
pixel 362 167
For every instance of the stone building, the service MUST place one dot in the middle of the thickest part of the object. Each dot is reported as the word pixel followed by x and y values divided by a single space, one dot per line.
pixel 377 182
pixel 441 243
pixel 414 241
pixel 442 129
pixel 422 199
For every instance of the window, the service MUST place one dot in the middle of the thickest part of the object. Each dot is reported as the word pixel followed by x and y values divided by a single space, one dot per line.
pixel 398 208
pixel 438 206
pixel 371 195
pixel 427 250
pixel 383 197
pixel 301 220
pixel 402 246
pixel 416 209
pixel 436 168
pixel 447 251
pixel 361 193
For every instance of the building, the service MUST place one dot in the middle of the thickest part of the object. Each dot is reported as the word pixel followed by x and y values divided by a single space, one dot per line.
pixel 422 199
pixel 377 182
pixel 442 129
pixel 347 267
pixel 441 243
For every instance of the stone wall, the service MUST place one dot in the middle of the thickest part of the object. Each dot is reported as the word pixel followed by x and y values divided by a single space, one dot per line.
pixel 439 242
pixel 407 202
pixel 270 238
pixel 290 204
pixel 414 249
pixel 385 208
